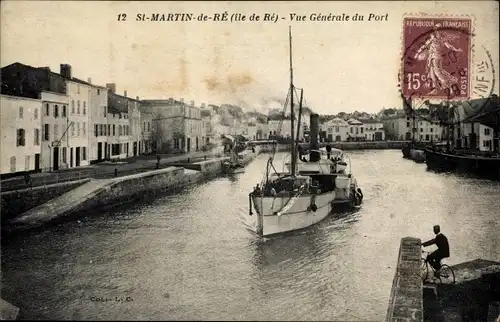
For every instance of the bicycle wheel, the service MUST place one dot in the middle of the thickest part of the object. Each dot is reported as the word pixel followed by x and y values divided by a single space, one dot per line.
pixel 424 270
pixel 446 275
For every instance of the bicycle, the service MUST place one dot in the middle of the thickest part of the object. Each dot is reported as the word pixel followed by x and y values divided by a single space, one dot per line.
pixel 445 276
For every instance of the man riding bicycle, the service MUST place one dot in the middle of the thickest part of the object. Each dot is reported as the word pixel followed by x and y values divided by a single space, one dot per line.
pixel 443 250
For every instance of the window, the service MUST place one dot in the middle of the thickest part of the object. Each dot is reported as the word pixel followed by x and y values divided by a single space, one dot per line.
pixel 73 107
pixel 119 130
pixel 36 137
pixel 407 124
pixel 149 126
pixel 114 133
pixel 109 129
pixel 35 114
pixel 47 112
pixel 361 130
pixel 120 115
pixel 78 89
pixel 84 153
pixel 105 110
pixel 421 129
pixel 64 111
pixel 104 129
pixel 46 132
pixel 96 133
pixel 78 107
pixel 486 131
pixel 78 129
pixel 84 108
pixel 56 111
pixel 84 128
pixel 432 130
pixel 73 129
pixel 352 130
pixel 21 112
pixel 20 137
pixel 64 157
pixel 98 91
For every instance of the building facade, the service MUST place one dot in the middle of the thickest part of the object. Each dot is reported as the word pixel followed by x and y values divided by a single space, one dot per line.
pixel 118 125
pixel 146 130
pixel 356 130
pixel 374 130
pixel 335 130
pixel 79 93
pixel 20 134
pixel 403 127
pixel 177 127
pixel 55 124
pixel 98 110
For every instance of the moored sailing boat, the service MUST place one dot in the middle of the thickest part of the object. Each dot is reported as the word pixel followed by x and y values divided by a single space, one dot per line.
pixel 233 165
pixel 307 192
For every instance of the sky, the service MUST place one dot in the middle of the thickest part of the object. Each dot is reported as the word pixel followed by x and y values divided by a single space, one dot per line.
pixel 341 65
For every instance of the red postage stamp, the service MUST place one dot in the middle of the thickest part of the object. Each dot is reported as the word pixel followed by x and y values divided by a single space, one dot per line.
pixel 436 60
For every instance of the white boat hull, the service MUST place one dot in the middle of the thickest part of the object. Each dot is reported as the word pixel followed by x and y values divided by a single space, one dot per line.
pixel 280 214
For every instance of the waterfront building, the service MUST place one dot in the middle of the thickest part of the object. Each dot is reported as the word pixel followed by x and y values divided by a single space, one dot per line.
pixel 118 124
pixel 262 131
pixel 55 124
pixel 135 129
pixel 176 125
pixel 146 129
pixel 356 130
pixel 79 121
pixel 40 83
pixel 475 130
pixel 98 111
pixel 281 127
pixel 402 127
pixel 373 129
pixel 20 134
pixel 250 131
pixel 335 130
pixel 208 133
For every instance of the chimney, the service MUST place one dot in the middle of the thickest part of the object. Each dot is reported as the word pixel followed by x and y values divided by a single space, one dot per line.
pixel 111 87
pixel 313 144
pixel 137 98
pixel 192 103
pixel 202 105
pixel 65 71
pixel 125 93
pixel 89 80
pixel 181 100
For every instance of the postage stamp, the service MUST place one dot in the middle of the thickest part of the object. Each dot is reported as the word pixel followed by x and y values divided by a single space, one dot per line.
pixel 437 58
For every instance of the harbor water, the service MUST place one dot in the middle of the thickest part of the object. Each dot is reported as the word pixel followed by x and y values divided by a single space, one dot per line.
pixel 189 256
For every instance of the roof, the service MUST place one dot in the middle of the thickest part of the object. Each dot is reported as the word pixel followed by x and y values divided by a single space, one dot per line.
pixel 77 80
pixel 145 109
pixel 169 101
pixel 354 122
pixel 371 121
pixel 487 111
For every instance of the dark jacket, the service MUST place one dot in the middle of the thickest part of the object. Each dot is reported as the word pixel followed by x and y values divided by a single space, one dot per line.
pixel 442 244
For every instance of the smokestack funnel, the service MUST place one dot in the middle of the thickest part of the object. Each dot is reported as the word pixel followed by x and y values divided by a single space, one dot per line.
pixel 313 143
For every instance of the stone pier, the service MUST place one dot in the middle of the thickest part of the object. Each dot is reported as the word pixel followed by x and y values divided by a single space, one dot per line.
pixel 8 311
pixel 405 303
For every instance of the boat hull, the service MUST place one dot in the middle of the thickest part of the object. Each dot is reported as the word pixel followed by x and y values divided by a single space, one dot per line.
pixel 481 166
pixel 280 214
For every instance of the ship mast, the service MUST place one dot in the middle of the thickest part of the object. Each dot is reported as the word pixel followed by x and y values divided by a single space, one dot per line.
pixel 292 114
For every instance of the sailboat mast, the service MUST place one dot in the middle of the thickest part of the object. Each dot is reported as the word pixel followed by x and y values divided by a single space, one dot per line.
pixel 292 113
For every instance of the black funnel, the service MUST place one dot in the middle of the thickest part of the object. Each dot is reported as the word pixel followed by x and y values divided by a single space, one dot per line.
pixel 313 143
